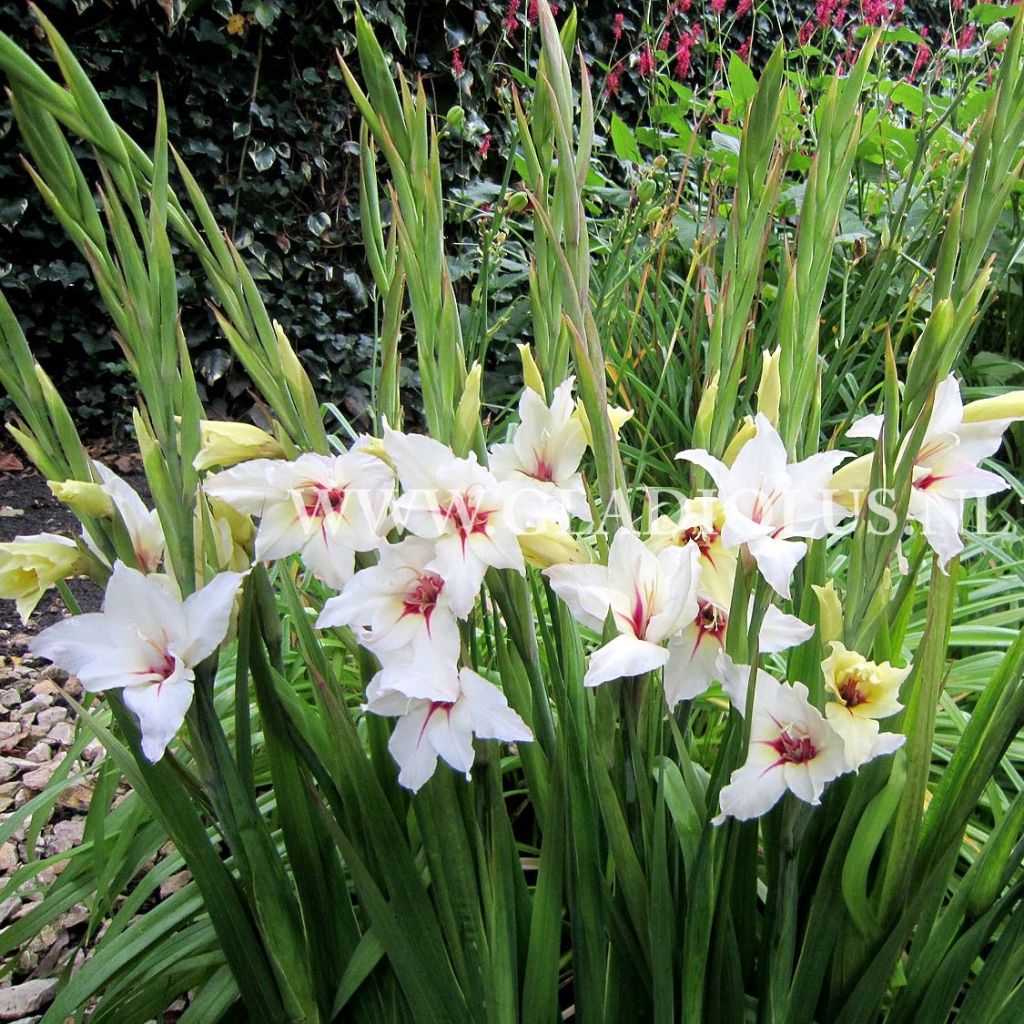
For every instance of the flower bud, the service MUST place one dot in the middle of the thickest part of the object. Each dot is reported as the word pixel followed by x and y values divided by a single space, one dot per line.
pixel 705 413
pixel 996 33
pixel 1003 407
pixel 87 499
pixel 660 162
pixel 29 566
pixel 456 118
pixel 617 416
pixel 850 482
pixel 830 613
pixel 467 415
pixel 225 444
pixel 769 390
pixel 552 544
pixel 742 436
pixel 531 371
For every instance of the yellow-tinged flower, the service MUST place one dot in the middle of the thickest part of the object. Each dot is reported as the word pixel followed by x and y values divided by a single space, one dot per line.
pixel 233 535
pixel 769 390
pixel 1003 407
pixel 236 25
pixel 701 522
pixel 552 544
pixel 617 416
pixel 706 409
pixel 532 378
pixel 830 612
pixel 222 443
pixel 87 499
pixel 864 692
pixel 29 566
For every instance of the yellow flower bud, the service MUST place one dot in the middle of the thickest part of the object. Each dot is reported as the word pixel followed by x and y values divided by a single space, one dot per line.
pixel 706 411
pixel 224 444
pixel 1003 407
pixel 617 416
pixel 373 446
pixel 742 436
pixel 531 371
pixel 467 415
pixel 769 390
pixel 550 545
pixel 29 566
pixel 850 483
pixel 830 612
pixel 87 499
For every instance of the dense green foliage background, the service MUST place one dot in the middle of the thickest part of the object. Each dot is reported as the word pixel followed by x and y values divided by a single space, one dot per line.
pixel 257 107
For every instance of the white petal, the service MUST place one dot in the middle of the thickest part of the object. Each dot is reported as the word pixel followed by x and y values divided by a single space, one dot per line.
pixel 780 632
pixel 776 560
pixel 160 709
pixel 867 426
pixel 101 652
pixel 462 571
pixel 246 487
pixel 415 755
pixel 753 790
pixel 283 530
pixel 690 668
pixel 415 457
pixel 450 732
pixel 715 468
pixel 332 562
pixel 940 520
pixel 207 613
pixel 584 588
pixel 624 656
pixel 677 591
pixel 763 457
pixel 490 715
pixel 142 604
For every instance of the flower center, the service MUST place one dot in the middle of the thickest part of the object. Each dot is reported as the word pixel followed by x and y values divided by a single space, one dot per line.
pixel 640 615
pixel 422 598
pixel 324 500
pixel 465 516
pixel 700 536
pixel 543 470
pixel 711 620
pixel 850 691
pixel 794 749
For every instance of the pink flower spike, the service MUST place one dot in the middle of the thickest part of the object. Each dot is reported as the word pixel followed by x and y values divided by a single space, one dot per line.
pixel 458 68
pixel 617 26
pixel 646 62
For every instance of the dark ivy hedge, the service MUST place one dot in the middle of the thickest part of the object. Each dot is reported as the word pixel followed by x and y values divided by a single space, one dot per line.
pixel 256 105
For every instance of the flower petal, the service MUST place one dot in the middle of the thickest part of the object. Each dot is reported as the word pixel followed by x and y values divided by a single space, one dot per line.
pixel 624 656
pixel 160 708
pixel 207 613
pixel 777 560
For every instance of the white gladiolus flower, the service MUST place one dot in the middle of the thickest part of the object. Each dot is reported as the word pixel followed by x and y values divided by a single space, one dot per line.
pixel 323 507
pixel 769 502
pixel 461 507
pixel 792 748
pixel 947 468
pixel 428 729
pixel 142 524
pixel 651 598
pixel 147 642
pixel 400 608
pixel 694 653
pixel 545 451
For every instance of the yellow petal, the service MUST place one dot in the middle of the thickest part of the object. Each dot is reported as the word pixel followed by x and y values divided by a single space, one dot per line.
pixel 849 483
pixel 467 415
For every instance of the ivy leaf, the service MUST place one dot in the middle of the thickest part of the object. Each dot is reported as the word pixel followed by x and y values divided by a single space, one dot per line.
pixel 318 223
pixel 266 11
pixel 263 158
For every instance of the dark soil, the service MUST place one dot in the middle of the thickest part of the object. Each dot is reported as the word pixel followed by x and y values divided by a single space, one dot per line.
pixel 27 507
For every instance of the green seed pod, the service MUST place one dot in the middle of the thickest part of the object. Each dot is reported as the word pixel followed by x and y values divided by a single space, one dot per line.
pixel 660 162
pixel 517 202
pixel 456 118
pixel 646 190
pixel 996 33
